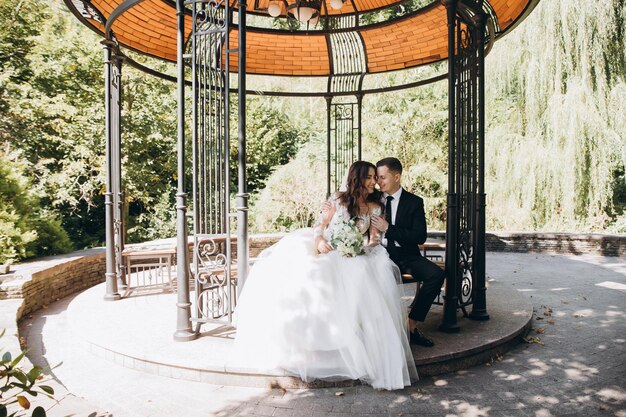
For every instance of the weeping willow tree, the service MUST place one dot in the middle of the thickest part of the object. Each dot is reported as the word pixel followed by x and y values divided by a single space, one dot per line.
pixel 556 132
pixel 556 135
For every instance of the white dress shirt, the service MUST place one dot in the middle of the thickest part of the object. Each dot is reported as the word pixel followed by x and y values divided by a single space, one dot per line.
pixel 394 210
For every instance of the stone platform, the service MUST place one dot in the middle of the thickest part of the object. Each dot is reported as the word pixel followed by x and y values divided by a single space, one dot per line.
pixel 137 333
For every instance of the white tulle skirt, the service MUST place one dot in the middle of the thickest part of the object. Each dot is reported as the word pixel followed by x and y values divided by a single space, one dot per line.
pixel 324 316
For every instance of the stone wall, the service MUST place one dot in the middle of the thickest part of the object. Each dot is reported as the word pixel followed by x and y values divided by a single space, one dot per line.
pixel 561 243
pixel 47 280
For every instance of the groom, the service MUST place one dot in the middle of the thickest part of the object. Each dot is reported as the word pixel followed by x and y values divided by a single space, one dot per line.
pixel 404 227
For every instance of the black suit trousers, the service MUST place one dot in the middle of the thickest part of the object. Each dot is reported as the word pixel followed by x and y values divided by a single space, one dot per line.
pixel 425 271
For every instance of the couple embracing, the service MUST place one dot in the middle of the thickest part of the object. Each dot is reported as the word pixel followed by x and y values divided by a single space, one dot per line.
pixel 311 310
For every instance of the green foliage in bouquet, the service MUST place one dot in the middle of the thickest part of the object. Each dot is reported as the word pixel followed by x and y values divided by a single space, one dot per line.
pixel 347 239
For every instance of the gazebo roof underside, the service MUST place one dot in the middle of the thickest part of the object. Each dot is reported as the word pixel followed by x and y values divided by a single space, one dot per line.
pixel 416 39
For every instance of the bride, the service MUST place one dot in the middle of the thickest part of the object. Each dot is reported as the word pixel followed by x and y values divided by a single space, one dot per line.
pixel 312 312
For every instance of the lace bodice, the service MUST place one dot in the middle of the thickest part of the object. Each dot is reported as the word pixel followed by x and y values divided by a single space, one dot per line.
pixel 341 214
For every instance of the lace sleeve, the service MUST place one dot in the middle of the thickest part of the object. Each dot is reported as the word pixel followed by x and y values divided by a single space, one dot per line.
pixel 326 214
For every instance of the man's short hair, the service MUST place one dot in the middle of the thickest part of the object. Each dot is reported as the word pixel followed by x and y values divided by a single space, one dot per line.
pixel 392 164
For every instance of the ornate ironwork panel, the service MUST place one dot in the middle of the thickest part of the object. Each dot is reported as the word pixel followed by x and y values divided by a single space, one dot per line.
pixel 349 65
pixel 88 12
pixel 466 62
pixel 343 143
pixel 214 292
pixel 465 230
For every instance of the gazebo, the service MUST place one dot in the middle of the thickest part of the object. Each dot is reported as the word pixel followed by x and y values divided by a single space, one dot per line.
pixel 343 41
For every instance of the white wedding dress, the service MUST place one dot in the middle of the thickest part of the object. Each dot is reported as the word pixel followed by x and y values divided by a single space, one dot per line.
pixel 324 316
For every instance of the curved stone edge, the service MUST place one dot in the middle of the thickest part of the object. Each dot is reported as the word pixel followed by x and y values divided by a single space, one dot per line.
pixel 477 356
pixel 437 366
pixel 209 375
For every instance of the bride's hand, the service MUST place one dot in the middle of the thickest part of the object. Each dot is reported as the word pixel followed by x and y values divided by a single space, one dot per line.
pixel 326 211
pixel 322 245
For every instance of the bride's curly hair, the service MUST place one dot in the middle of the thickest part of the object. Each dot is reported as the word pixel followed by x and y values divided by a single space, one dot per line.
pixel 357 174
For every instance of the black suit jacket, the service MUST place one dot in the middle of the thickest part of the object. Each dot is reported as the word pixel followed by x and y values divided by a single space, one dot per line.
pixel 409 229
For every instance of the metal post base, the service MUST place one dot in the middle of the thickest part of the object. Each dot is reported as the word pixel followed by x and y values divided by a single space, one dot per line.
pixel 449 328
pixel 479 315
pixel 184 336
pixel 111 290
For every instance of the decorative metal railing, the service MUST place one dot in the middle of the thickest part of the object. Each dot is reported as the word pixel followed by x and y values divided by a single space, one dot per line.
pixel 212 257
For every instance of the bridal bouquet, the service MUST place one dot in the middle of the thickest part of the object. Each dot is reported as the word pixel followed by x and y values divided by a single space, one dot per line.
pixel 347 239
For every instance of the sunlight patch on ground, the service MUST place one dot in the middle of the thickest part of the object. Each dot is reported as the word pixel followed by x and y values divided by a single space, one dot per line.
pixel 540 399
pixel 506 377
pixel 580 372
pixel 543 413
pixel 612 285
pixel 465 409
pixel 612 395
pixel 585 312
pixel 541 367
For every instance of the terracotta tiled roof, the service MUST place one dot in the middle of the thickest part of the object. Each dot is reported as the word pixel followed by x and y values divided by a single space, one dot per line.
pixel 421 38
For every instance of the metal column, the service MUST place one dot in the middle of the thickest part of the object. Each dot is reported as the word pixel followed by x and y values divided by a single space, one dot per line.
pixel 243 254
pixel 479 306
pixel 449 323
pixel 184 330
pixel 110 110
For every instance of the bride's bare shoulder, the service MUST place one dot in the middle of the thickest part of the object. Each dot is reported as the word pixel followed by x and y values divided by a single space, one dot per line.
pixel 374 207
pixel 336 195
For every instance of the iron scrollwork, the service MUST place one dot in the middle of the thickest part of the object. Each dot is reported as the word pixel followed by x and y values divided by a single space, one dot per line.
pixel 215 291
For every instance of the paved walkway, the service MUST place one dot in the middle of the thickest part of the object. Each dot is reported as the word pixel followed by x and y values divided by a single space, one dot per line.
pixel 576 365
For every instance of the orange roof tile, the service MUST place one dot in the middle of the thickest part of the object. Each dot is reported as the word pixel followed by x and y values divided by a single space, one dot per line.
pixel 421 38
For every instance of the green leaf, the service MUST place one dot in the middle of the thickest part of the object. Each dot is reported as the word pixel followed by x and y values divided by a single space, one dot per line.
pixel 47 389
pixel 39 412
pixel 34 373
pixel 18 359
pixel 21 376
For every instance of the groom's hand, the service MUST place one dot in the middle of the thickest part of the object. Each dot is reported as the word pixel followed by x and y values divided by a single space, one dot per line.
pixel 380 223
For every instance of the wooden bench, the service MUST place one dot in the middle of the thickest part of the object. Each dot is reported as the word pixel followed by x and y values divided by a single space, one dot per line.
pixel 437 258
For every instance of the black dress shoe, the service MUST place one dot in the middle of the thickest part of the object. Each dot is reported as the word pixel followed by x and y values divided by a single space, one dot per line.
pixel 417 338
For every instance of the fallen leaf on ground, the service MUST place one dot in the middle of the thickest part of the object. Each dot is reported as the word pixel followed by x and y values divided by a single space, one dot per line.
pixel 532 339
pixel 540 330
pixel 539 318
pixel 551 321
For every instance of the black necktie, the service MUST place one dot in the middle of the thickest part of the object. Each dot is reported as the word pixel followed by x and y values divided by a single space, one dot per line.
pixel 388 209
